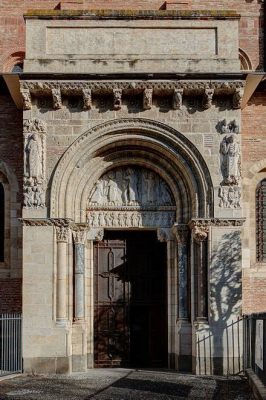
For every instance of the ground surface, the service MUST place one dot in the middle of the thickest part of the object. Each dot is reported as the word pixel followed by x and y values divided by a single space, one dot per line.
pixel 124 384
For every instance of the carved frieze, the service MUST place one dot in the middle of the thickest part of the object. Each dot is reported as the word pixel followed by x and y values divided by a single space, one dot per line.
pixel 230 222
pixel 230 196
pixel 207 89
pixel 34 182
pixel 230 160
pixel 130 219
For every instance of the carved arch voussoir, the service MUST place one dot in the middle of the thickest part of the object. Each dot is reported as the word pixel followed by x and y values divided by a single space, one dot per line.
pixel 171 146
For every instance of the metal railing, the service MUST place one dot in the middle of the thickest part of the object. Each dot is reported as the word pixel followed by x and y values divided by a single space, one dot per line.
pixel 10 344
pixel 255 344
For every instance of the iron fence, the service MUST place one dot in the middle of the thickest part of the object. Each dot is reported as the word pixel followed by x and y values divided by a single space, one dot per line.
pixel 10 344
pixel 255 344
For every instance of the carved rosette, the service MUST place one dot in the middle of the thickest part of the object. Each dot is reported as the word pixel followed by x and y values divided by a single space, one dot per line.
pixel 34 182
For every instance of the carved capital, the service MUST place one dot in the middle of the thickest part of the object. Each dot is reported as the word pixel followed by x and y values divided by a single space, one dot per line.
pixel 181 233
pixel 147 99
pixel 207 98
pixel 57 100
pixel 62 233
pixel 199 229
pixel 79 233
pixel 177 99
pixel 87 100
pixel 117 99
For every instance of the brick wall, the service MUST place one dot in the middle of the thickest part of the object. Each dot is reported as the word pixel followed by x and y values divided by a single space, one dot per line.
pixel 10 295
pixel 254 295
pixel 12 25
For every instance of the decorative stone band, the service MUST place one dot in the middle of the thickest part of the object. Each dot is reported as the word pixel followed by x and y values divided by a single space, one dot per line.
pixel 207 89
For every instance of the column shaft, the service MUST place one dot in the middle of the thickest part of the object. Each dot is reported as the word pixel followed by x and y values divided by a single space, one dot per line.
pixel 79 280
pixel 61 314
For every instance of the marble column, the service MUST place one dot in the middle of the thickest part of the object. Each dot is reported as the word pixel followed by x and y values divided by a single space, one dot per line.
pixel 62 236
pixel 200 235
pixel 181 233
pixel 79 240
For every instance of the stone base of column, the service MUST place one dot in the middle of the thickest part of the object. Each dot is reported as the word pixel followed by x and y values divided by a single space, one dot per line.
pixel 79 347
pixel 184 345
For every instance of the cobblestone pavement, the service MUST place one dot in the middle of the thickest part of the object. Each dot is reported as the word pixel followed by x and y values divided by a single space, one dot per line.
pixel 124 384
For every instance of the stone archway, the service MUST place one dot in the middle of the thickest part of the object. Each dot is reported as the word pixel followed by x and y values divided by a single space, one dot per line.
pixel 97 185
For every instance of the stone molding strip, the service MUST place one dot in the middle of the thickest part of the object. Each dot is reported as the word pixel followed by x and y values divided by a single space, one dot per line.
pixel 207 89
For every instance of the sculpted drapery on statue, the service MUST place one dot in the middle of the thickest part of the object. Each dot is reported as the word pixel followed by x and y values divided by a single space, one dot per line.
pixel 130 186
pixel 230 153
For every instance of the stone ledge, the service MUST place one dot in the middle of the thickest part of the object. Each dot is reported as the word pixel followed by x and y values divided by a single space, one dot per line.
pixel 257 387
pixel 131 14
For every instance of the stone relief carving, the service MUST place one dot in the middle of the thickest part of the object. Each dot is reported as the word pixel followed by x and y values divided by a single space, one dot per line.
pixel 62 233
pixel 130 186
pixel 147 99
pixel 230 160
pixel 117 99
pixel 230 127
pixel 34 184
pixel 230 196
pixel 164 235
pixel 87 100
pixel 177 99
pixel 179 88
pixel 130 219
pixel 207 98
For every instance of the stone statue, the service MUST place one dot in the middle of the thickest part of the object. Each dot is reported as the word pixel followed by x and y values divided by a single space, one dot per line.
pixel 230 153
pixel 34 158
pixel 113 191
pixel 97 193
pixel 130 187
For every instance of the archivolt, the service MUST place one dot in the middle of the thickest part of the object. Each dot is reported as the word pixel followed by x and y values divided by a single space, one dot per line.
pixel 132 141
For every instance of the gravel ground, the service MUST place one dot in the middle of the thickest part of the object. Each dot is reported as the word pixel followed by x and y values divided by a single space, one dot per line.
pixel 124 384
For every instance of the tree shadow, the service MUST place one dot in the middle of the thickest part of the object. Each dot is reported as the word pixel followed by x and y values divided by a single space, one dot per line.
pixel 220 351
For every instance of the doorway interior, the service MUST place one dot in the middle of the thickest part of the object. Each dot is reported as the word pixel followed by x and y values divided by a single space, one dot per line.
pixel 130 300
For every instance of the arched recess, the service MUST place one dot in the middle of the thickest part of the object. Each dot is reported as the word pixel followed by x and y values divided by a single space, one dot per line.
pixel 132 141
pixel 245 63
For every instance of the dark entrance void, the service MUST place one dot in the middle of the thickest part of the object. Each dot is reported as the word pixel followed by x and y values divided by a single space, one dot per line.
pixel 130 300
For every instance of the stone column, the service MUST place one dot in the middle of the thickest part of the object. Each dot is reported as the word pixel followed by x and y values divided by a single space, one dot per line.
pixel 181 233
pixel 62 235
pixel 79 240
pixel 200 245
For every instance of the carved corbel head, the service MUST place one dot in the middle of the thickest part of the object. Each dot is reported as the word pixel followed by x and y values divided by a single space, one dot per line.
pixel 117 99
pixel 199 229
pixel 147 99
pixel 207 98
pixel 177 99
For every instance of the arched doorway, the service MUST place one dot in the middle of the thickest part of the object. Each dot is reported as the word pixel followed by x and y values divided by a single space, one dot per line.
pixel 104 183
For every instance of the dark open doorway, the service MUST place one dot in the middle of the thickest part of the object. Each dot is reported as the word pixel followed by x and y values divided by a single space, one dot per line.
pixel 130 300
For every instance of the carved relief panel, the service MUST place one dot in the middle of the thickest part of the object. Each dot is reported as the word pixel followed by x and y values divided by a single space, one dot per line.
pixel 130 197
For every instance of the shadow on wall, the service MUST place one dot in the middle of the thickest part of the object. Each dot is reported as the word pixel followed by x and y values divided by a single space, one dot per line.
pixel 219 348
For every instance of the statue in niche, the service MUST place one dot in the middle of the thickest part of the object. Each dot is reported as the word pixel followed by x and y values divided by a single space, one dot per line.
pixel 230 153
pixel 34 157
pixel 130 187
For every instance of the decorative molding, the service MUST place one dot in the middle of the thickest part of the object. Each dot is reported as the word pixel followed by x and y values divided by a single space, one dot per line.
pixel 34 182
pixel 230 196
pixel 147 99
pixel 227 127
pixel 230 222
pixel 206 89
pixel 58 222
